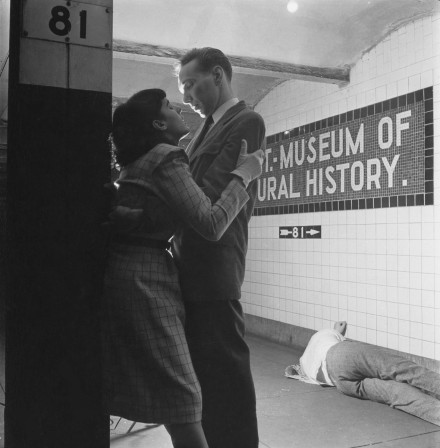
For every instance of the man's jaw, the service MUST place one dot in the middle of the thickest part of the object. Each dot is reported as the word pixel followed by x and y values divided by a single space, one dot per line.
pixel 197 108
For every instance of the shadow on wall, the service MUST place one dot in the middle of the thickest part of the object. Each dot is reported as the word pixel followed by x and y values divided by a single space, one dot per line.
pixel 2 242
pixel 2 285
pixel 298 338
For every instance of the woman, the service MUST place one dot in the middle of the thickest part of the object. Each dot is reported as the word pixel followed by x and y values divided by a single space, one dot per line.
pixel 148 374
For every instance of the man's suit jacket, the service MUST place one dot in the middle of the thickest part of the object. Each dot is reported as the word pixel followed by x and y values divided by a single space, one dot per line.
pixel 215 270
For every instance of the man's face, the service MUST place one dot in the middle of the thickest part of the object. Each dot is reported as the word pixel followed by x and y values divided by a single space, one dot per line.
pixel 199 88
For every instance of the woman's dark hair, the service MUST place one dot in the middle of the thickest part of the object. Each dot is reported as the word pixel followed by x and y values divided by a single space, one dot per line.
pixel 133 133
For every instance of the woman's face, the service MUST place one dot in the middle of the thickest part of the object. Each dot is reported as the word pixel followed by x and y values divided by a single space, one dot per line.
pixel 176 128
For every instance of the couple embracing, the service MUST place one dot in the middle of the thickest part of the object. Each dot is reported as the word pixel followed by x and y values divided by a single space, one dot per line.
pixel 173 326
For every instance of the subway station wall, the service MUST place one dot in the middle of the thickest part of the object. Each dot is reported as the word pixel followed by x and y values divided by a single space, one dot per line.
pixel 346 225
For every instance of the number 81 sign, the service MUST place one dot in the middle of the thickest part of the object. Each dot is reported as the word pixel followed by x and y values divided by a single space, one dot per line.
pixel 300 232
pixel 66 21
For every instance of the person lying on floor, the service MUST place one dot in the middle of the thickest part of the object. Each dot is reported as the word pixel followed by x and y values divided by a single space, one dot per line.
pixel 369 372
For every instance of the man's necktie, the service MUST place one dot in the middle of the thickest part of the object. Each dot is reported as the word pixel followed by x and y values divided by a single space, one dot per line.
pixel 208 122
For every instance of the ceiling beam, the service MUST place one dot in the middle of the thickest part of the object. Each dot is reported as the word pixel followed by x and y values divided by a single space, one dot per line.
pixel 243 64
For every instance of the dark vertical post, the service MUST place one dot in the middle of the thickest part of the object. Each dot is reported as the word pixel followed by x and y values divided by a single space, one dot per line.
pixel 58 162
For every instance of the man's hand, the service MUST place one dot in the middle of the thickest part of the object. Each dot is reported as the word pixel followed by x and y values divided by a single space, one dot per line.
pixel 341 326
pixel 123 219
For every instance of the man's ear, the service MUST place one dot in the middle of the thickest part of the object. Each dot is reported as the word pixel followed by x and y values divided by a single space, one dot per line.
pixel 217 72
pixel 159 125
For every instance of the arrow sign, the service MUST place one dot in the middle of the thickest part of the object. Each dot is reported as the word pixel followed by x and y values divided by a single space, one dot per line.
pixel 300 232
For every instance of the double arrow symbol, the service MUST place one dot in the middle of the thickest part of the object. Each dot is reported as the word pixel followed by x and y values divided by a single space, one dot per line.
pixel 284 232
pixel 300 231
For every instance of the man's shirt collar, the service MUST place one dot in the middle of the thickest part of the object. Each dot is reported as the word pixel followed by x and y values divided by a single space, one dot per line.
pixel 223 109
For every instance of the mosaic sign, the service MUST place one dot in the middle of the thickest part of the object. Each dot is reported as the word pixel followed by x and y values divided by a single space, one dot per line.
pixel 377 156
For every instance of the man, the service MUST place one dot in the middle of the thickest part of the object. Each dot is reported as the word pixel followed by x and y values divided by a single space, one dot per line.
pixel 369 372
pixel 211 273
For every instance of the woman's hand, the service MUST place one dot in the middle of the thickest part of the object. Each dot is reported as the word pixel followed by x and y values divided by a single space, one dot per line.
pixel 249 166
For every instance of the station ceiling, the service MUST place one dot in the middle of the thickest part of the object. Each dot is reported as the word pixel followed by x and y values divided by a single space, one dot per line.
pixel 320 41
pixel 266 43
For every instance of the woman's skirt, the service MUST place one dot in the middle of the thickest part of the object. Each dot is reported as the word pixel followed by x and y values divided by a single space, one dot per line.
pixel 148 374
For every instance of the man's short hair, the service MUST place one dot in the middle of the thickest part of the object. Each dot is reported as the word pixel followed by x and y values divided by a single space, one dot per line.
pixel 207 58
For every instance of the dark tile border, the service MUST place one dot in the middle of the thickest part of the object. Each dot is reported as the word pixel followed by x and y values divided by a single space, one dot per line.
pixel 410 200
pixel 349 204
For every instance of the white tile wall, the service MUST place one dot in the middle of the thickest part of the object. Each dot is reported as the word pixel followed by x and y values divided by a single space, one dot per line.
pixel 378 269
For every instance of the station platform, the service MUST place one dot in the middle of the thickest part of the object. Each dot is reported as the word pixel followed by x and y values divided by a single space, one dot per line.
pixel 293 414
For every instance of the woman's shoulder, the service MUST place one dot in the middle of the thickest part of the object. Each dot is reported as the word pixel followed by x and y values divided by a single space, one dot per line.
pixel 157 156
pixel 163 152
